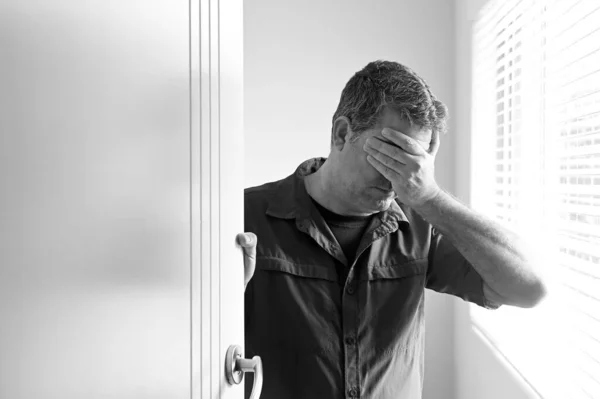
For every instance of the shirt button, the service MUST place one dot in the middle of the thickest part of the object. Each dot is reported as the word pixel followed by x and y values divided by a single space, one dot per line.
pixel 350 341
pixel 350 290
pixel 353 392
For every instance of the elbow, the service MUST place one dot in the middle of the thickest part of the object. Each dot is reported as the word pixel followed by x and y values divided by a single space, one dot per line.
pixel 536 294
pixel 534 286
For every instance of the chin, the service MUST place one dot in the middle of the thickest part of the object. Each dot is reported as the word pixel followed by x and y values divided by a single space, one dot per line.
pixel 381 204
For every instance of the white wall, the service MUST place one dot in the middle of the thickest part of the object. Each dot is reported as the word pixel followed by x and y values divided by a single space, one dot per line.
pixel 298 57
pixel 481 372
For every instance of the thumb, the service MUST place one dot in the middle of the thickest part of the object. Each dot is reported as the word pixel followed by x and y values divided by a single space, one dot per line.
pixel 248 241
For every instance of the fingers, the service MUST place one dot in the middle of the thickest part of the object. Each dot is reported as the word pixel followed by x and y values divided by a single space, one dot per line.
pixel 403 141
pixel 375 145
pixel 388 172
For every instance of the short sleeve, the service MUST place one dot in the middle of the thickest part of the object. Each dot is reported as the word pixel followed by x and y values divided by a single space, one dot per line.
pixel 449 272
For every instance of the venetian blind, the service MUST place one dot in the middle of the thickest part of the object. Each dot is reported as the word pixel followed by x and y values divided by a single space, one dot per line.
pixel 536 163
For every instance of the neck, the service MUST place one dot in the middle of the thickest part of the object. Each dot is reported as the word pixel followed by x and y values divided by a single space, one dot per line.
pixel 322 187
pixel 315 184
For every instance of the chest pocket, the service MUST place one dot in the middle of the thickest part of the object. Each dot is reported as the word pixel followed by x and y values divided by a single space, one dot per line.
pixel 294 306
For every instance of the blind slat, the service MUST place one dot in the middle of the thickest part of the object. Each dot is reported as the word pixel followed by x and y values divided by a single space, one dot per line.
pixel 536 114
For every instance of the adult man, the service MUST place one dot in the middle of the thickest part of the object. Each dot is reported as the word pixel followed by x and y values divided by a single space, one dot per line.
pixel 347 244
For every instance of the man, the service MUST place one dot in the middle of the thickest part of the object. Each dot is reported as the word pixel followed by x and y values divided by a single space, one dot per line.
pixel 339 253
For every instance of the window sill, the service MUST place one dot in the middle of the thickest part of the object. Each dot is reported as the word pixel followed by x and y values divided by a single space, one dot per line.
pixel 516 375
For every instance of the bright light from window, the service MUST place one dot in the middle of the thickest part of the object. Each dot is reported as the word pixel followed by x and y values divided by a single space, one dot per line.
pixel 536 141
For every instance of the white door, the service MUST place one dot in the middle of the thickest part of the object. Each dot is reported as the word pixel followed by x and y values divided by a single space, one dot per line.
pixel 121 183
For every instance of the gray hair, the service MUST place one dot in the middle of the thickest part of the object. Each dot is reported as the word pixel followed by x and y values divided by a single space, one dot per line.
pixel 383 84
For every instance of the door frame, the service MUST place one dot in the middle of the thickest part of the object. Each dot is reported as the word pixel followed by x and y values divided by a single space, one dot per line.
pixel 217 188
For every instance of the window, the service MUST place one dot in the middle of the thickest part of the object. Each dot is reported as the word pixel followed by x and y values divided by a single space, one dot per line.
pixel 536 152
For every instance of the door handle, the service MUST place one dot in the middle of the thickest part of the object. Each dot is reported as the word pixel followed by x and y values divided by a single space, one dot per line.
pixel 236 366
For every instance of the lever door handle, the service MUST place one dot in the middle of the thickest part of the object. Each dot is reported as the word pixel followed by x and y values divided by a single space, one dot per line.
pixel 236 366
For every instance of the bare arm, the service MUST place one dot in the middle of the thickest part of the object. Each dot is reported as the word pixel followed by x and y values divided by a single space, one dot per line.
pixel 504 261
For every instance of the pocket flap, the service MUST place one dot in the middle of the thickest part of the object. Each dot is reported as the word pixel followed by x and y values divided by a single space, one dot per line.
pixel 398 270
pixel 324 272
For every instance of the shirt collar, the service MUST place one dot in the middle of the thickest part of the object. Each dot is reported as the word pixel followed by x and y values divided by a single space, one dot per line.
pixel 291 200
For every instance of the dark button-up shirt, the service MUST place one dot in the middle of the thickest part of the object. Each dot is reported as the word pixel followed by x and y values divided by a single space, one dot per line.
pixel 323 337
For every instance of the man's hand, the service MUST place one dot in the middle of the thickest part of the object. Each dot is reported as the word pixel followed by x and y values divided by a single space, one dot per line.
pixel 248 243
pixel 406 164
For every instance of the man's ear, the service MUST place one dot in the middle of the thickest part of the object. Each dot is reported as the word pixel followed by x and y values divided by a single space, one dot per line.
pixel 341 132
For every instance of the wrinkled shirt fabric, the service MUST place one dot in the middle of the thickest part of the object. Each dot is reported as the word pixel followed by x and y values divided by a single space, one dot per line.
pixel 362 335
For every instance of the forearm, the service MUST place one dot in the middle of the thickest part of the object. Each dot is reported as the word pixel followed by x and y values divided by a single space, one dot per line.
pixel 501 257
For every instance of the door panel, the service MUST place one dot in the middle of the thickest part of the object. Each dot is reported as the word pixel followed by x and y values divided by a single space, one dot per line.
pixel 110 238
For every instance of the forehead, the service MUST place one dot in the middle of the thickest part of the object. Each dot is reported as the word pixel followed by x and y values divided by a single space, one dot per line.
pixel 391 119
